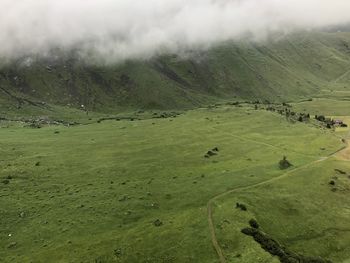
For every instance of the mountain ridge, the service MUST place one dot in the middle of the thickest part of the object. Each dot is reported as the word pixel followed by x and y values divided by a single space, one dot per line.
pixel 295 67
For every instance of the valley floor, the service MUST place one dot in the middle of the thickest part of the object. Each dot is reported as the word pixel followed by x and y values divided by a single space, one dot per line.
pixel 126 190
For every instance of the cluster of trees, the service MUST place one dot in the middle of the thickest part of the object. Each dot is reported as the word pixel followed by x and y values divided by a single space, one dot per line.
pixel 329 123
pixel 326 121
pixel 286 111
pixel 274 247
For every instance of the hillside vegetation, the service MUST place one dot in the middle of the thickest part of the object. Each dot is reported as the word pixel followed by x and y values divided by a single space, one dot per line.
pixel 295 67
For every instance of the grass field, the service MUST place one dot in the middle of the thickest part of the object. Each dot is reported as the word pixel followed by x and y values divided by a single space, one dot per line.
pixel 137 191
pixel 301 211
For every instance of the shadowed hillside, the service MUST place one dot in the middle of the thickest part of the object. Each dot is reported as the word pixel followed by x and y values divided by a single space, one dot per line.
pixel 293 68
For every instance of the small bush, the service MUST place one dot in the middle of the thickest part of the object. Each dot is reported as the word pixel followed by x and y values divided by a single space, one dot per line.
pixel 241 206
pixel 157 223
pixel 211 153
pixel 253 223
pixel 284 163
pixel 249 231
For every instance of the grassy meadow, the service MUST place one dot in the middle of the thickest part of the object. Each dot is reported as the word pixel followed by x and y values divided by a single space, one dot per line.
pixel 137 191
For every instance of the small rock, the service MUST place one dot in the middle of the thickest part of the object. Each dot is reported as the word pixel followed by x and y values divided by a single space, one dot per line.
pixel 118 252
pixel 157 223
pixel 155 205
pixel 12 245
pixel 6 181
pixel 123 198
pixel 216 149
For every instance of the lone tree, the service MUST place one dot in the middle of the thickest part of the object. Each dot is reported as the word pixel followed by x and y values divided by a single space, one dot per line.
pixel 284 163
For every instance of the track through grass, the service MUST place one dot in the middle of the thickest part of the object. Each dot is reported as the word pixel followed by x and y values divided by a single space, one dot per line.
pixel 215 242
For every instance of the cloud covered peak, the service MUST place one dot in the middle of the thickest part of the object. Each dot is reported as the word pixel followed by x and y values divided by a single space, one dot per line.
pixel 115 30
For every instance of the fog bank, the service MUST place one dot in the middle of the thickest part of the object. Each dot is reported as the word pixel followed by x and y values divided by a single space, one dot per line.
pixel 115 30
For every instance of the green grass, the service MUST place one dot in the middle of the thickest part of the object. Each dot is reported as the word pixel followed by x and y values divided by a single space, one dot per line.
pixel 70 201
pixel 300 211
pixel 324 106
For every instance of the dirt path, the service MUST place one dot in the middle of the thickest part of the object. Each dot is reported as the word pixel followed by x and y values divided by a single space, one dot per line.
pixel 262 143
pixel 341 76
pixel 344 154
pixel 341 153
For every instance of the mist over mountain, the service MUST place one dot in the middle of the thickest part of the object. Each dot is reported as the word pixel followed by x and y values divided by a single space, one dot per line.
pixel 113 54
pixel 338 28
pixel 296 67
pixel 112 31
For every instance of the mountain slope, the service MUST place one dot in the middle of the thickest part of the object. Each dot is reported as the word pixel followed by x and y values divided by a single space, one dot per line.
pixel 295 67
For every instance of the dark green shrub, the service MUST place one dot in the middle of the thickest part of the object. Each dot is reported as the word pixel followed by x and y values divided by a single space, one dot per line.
pixel 284 163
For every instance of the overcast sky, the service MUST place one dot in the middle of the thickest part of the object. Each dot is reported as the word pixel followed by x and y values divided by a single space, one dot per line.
pixel 121 29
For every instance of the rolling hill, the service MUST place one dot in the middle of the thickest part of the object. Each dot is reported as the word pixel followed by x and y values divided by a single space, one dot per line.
pixel 291 68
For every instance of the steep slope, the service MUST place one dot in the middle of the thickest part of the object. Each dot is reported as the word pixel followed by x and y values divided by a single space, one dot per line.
pixel 291 68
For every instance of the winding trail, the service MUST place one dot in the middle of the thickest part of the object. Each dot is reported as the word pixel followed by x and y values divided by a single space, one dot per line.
pixel 242 138
pixel 344 151
pixel 341 76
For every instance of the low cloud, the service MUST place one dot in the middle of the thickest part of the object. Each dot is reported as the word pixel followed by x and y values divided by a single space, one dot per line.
pixel 116 30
